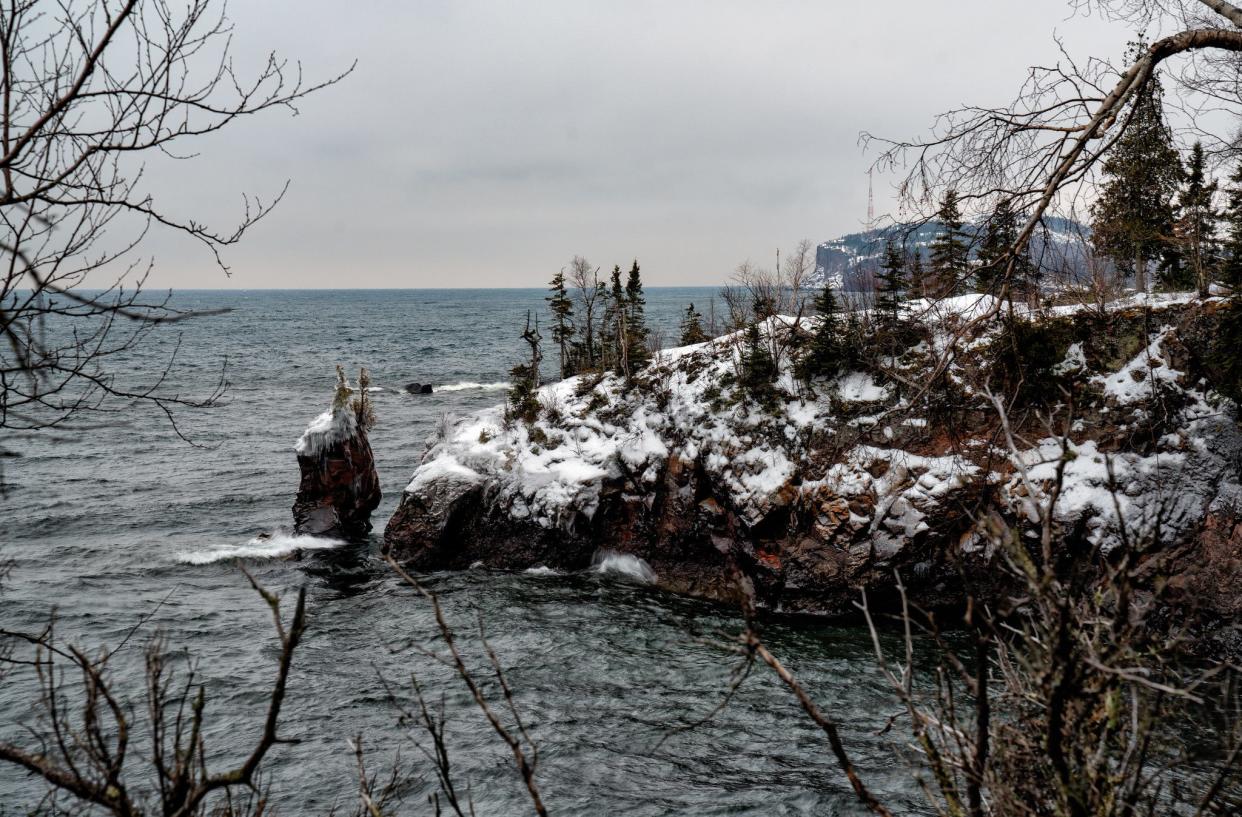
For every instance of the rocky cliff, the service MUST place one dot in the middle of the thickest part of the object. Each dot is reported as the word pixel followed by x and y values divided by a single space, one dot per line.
pixel 897 463
pixel 339 487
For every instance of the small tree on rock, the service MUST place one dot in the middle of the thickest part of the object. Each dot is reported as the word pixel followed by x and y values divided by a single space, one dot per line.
pixel 637 354
pixel 823 355
pixel 1231 264
pixel 949 251
pixel 1000 233
pixel 692 327
pixel 890 285
pixel 523 393
pixel 1196 227
pixel 562 309
pixel 757 372
pixel 1133 217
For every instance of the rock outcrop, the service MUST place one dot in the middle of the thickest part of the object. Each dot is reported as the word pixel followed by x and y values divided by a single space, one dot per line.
pixel 339 488
pixel 835 485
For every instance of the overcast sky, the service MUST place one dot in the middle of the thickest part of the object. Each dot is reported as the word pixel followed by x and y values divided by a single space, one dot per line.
pixel 484 143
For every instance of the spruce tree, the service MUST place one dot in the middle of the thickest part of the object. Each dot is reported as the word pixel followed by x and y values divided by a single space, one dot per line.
pixel 1132 220
pixel 562 309
pixel 524 388
pixel 616 346
pixel 1197 224
pixel 918 275
pixel 890 284
pixel 1231 264
pixel 949 250
pixel 692 328
pixel 758 370
pixel 823 357
pixel 636 320
pixel 999 235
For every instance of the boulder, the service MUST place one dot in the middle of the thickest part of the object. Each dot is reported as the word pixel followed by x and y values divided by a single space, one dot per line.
pixel 339 487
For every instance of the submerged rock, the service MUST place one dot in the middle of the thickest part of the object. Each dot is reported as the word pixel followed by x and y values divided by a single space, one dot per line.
pixel 831 487
pixel 339 488
pixel 418 388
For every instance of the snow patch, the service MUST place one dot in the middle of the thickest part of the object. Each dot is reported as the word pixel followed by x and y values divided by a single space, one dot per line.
pixel 334 426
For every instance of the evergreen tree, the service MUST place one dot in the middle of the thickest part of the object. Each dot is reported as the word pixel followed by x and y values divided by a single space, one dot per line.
pixel 636 320
pixel 523 391
pixel 616 346
pixel 692 327
pixel 890 284
pixel 562 309
pixel 758 370
pixel 823 357
pixel 949 250
pixel 1132 220
pixel 918 275
pixel 1231 264
pixel 1197 224
pixel 999 235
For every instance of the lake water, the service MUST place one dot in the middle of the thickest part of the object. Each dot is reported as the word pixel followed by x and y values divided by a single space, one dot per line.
pixel 124 520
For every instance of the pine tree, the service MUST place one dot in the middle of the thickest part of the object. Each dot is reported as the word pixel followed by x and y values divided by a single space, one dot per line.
pixel 918 275
pixel 637 354
pixel 692 327
pixel 523 391
pixel 999 235
pixel 1231 264
pixel 949 250
pixel 758 370
pixel 562 309
pixel 823 357
pixel 616 345
pixel 890 284
pixel 1197 222
pixel 1132 220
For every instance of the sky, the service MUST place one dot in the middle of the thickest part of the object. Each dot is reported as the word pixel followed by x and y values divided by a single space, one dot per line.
pixel 485 143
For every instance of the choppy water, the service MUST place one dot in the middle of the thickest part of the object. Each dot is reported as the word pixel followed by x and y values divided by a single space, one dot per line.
pixel 107 525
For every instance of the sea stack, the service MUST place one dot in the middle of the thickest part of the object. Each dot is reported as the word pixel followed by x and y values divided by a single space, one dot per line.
pixel 339 487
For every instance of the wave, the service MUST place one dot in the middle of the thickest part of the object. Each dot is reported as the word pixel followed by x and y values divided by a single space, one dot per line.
pixel 274 546
pixel 609 561
pixel 469 385
pixel 542 570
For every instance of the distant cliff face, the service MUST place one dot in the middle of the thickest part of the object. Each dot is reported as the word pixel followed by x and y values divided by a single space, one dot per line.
pixel 834 485
pixel 849 262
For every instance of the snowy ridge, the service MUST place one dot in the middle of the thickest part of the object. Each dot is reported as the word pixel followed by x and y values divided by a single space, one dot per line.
pixel 851 442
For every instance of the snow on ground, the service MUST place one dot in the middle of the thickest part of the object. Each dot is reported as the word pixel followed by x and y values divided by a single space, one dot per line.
pixel 593 431
pixel 1138 379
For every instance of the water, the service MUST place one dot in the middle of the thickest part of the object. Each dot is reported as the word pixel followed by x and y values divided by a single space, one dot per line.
pixel 125 520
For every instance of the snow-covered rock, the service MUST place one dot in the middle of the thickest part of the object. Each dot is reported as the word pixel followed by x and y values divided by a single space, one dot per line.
pixel 339 486
pixel 843 480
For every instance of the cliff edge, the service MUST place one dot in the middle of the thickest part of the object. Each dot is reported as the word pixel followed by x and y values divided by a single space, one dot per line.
pixel 821 487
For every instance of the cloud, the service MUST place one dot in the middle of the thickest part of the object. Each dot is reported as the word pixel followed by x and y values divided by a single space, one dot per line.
pixel 485 143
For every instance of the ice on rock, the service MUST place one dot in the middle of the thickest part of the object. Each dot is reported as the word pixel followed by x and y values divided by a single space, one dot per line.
pixel 331 428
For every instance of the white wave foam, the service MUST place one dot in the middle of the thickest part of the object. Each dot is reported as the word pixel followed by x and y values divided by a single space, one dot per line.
pixel 470 385
pixel 542 570
pixel 625 564
pixel 273 547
